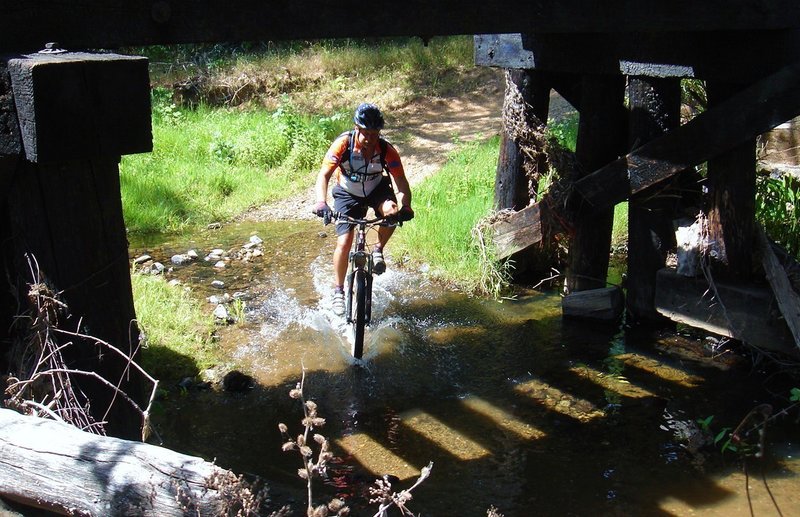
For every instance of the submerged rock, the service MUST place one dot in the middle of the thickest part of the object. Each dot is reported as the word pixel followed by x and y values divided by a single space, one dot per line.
pixel 237 381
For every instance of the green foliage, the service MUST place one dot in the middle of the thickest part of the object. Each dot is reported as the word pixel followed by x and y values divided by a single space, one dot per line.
pixel 213 164
pixel 564 131
pixel 448 206
pixel 179 333
pixel 778 211
pixel 794 395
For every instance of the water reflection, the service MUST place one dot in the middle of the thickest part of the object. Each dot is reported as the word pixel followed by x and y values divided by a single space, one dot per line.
pixel 515 407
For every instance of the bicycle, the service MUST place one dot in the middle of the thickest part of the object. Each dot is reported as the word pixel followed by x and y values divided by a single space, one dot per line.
pixel 358 295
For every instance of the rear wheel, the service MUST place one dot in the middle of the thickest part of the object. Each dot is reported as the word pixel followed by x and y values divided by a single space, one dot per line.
pixel 359 312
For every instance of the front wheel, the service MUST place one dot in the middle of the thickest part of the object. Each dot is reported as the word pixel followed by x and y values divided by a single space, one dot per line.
pixel 359 312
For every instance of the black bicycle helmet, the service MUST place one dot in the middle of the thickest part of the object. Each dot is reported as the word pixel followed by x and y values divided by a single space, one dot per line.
pixel 368 116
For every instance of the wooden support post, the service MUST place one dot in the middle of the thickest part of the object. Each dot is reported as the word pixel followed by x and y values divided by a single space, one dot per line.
pixel 655 109
pixel 601 139
pixel 77 114
pixel 512 185
pixel 511 182
pixel 732 188
pixel 740 118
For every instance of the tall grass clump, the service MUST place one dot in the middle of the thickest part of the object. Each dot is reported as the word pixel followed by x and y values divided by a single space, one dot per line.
pixel 179 334
pixel 448 206
pixel 213 164
pixel 778 211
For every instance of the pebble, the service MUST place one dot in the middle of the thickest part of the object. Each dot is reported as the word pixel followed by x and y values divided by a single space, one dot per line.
pixel 220 312
pixel 179 260
pixel 219 284
pixel 142 259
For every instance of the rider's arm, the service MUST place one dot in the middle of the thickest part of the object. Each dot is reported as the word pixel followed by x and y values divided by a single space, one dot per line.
pixel 401 187
pixel 402 190
pixel 321 187
pixel 329 165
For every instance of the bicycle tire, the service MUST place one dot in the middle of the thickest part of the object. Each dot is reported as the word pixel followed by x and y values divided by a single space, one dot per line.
pixel 360 308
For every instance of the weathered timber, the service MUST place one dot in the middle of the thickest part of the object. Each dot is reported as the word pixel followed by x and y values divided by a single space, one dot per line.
pixel 518 231
pixel 788 299
pixel 746 313
pixel 731 210
pixel 511 182
pixel 654 110
pixel 602 131
pixel 77 105
pixel 52 465
pixel 10 141
pixel 741 56
pixel 741 117
pixel 602 305
pixel 62 209
pixel 113 23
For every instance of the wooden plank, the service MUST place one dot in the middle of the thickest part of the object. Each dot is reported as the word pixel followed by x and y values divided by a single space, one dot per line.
pixel 734 56
pixel 56 466
pixel 605 304
pixel 754 110
pixel 746 313
pixel 114 23
pixel 788 299
pixel 519 231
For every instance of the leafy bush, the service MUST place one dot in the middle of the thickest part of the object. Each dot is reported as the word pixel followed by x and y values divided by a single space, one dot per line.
pixel 777 210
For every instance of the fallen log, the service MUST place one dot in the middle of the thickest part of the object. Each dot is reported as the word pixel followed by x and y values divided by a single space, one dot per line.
pixel 52 465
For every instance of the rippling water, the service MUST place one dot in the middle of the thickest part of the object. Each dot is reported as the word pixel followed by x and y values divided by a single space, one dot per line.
pixel 516 407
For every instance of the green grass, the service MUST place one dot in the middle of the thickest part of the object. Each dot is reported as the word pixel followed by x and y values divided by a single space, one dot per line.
pixel 778 210
pixel 448 205
pixel 213 164
pixel 179 332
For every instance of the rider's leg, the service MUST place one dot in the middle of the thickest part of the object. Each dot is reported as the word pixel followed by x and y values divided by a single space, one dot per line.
pixel 340 258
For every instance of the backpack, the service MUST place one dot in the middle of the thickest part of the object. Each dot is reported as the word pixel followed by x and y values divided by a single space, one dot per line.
pixel 383 144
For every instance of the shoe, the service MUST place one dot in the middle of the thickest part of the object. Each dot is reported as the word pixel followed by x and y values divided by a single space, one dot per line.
pixel 378 264
pixel 338 303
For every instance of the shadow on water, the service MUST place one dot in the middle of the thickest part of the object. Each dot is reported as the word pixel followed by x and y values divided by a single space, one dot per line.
pixel 516 407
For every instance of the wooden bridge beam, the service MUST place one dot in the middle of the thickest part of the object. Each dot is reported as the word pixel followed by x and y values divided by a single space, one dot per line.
pixel 733 56
pixel 654 110
pixel 750 112
pixel 81 24
pixel 731 183
pixel 62 207
pixel 601 137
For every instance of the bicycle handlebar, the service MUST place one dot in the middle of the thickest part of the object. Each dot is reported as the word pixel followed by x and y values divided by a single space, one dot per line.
pixel 383 220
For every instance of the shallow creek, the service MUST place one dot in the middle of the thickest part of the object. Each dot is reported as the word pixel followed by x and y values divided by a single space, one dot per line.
pixel 514 406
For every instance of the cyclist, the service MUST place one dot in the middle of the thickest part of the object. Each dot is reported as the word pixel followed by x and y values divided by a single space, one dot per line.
pixel 368 174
